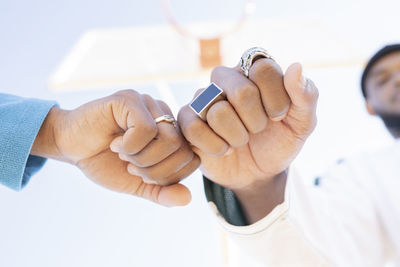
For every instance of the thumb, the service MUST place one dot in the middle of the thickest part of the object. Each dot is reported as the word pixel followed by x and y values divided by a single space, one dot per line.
pixel 304 95
pixel 174 195
pixel 302 92
pixel 169 196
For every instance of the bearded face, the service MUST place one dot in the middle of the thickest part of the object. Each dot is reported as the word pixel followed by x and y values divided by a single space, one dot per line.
pixel 383 91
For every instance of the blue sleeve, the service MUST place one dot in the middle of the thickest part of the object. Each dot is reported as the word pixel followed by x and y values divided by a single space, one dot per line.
pixel 20 122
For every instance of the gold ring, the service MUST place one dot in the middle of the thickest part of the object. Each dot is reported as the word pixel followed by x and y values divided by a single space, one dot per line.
pixel 166 118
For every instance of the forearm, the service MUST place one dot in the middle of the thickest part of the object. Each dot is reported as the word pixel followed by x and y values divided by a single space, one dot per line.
pixel 260 198
pixel 45 144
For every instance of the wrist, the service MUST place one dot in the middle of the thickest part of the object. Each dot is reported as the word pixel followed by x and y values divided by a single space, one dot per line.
pixel 261 197
pixel 45 144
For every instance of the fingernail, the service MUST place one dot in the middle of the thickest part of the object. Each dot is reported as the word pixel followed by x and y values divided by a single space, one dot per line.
pixel 132 170
pixel 148 181
pixel 114 148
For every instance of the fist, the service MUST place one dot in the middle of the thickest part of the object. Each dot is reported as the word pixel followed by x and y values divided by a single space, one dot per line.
pixel 116 142
pixel 255 133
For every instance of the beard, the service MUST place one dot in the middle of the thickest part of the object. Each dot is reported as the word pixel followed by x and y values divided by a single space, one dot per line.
pixel 392 122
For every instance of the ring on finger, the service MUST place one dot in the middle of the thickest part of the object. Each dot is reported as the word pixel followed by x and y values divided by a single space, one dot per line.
pixel 202 103
pixel 166 118
pixel 250 56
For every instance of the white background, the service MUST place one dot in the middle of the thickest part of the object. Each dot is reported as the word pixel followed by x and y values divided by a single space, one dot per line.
pixel 63 219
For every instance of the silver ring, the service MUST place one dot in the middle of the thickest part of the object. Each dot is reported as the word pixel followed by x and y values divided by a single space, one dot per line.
pixel 202 103
pixel 249 56
pixel 166 118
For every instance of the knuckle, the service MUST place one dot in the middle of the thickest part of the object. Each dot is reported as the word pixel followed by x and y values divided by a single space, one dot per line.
pixel 193 129
pixel 220 149
pixel 243 140
pixel 124 97
pixel 147 98
pixel 218 111
pixel 161 103
pixel 217 71
pixel 154 174
pixel 265 65
pixel 244 93
pixel 173 139
pixel 182 111
pixel 148 129
pixel 164 106
pixel 126 92
pixel 184 114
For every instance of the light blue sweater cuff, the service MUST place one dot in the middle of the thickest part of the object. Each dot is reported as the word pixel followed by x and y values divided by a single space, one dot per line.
pixel 20 122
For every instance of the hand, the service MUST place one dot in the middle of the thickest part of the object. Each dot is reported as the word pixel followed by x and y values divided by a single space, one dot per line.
pixel 146 151
pixel 249 140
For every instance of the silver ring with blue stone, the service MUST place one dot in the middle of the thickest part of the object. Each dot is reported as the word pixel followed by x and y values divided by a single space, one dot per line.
pixel 202 103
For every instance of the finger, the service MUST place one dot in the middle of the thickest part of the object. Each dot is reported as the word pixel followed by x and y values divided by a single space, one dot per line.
pixel 146 158
pixel 132 116
pixel 303 93
pixel 185 171
pixel 115 177
pixel 165 108
pixel 268 77
pixel 199 133
pixel 168 111
pixel 166 143
pixel 177 176
pixel 243 95
pixel 225 122
pixel 162 170
pixel 172 195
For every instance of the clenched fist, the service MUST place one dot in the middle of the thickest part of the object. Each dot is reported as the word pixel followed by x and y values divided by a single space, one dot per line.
pixel 249 140
pixel 116 143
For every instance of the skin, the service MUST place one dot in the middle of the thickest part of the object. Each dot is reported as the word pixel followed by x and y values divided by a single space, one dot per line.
pixel 243 145
pixel 117 144
pixel 246 144
pixel 249 140
pixel 383 87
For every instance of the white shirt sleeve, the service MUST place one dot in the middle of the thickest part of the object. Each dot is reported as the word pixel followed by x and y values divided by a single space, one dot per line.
pixel 333 224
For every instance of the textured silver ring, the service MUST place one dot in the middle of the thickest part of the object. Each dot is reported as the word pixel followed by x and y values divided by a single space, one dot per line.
pixel 166 118
pixel 251 55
